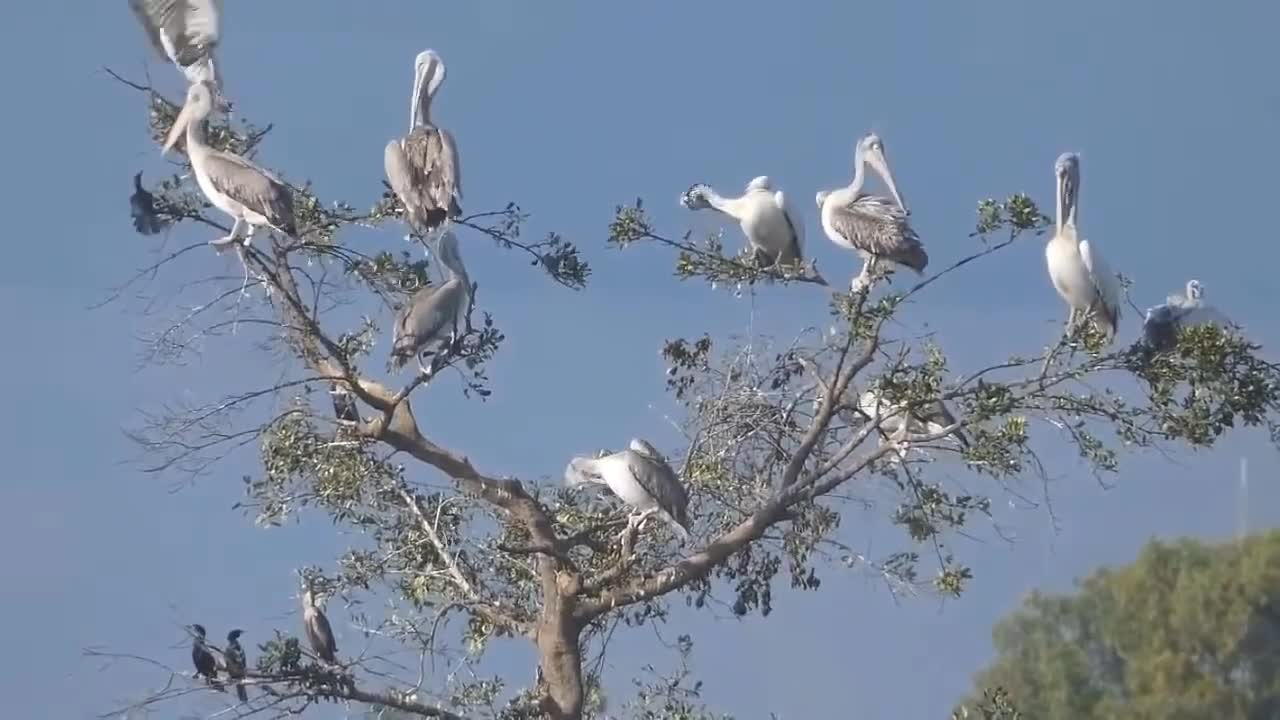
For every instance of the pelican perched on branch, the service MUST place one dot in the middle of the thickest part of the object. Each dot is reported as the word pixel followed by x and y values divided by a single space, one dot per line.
pixel 236 186
pixel 642 479
pixel 186 32
pixel 1078 271
pixel 1162 322
pixel 928 419
pixel 422 167
pixel 435 317
pixel 876 227
pixel 319 634
pixel 774 230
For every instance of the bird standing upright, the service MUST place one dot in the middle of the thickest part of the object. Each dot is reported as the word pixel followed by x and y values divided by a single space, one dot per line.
pixel 206 664
pixel 1078 272
pixel 319 634
pixel 235 662
pixel 422 167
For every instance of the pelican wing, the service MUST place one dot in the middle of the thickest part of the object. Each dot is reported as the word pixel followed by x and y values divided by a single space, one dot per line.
pixel 1105 283
pixel 796 223
pixel 252 187
pixel 660 482
pixel 423 171
pixel 427 318
pixel 879 227
pixel 185 31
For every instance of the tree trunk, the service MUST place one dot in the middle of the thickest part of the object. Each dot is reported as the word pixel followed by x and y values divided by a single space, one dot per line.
pixel 560 657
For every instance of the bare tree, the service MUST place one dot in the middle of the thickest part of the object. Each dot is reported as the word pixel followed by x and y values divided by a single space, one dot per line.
pixel 777 453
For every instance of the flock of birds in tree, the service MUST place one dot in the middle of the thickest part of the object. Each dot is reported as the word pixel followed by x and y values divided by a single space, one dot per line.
pixel 423 170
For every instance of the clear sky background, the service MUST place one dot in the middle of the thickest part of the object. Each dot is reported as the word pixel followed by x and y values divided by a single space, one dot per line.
pixel 570 108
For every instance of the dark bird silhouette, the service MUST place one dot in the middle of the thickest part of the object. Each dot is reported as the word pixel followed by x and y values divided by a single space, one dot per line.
pixel 344 404
pixel 206 664
pixel 233 660
pixel 319 634
pixel 142 205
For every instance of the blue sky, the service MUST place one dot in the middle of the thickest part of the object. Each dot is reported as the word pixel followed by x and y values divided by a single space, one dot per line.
pixel 568 109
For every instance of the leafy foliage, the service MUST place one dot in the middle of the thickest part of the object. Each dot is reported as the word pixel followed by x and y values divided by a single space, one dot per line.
pixel 1189 630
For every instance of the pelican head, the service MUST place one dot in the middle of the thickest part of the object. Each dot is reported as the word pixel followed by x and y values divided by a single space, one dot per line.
pixel 1194 290
pixel 644 448
pixel 581 471
pixel 695 198
pixel 822 197
pixel 197 107
pixel 428 74
pixel 759 183
pixel 870 150
pixel 1067 170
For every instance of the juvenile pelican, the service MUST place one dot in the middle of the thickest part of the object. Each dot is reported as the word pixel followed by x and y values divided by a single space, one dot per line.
pixel 233 659
pixel 422 167
pixel 1162 322
pixel 434 318
pixel 142 206
pixel 186 32
pixel 319 634
pixel 642 479
pixel 202 658
pixel 774 230
pixel 1078 271
pixel 876 227
pixel 926 420
pixel 234 185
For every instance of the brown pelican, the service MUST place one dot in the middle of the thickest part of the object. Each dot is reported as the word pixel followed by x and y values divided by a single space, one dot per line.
pixel 1078 271
pixel 641 478
pixel 234 185
pixel 202 657
pixel 319 634
pixel 876 227
pixel 434 317
pixel 774 230
pixel 142 206
pixel 931 418
pixel 1162 322
pixel 186 32
pixel 233 659
pixel 422 167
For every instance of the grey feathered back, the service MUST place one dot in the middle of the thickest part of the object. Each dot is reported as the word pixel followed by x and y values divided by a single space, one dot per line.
pixel 878 226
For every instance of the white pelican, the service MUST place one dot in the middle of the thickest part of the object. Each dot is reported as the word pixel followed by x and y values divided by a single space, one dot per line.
pixel 926 420
pixel 1078 271
pixel 432 320
pixel 876 227
pixel 774 230
pixel 642 479
pixel 1162 322
pixel 186 32
pixel 422 167
pixel 234 185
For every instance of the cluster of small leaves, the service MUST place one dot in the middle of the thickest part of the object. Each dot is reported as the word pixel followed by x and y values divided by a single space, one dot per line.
pixel 995 704
pixel 281 654
pixel 1208 380
pixel 354 345
pixel 671 697
pixel 687 360
pixel 1000 451
pixel 931 508
pixel 1018 213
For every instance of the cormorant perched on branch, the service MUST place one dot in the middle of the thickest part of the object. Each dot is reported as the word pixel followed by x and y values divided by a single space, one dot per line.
pixel 206 664
pixel 234 661
pixel 319 634
pixel 143 208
